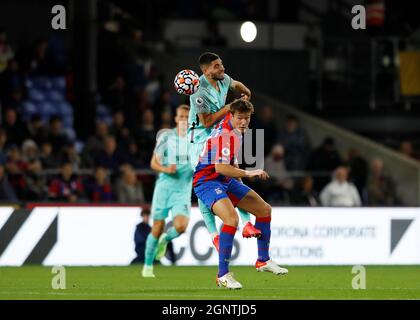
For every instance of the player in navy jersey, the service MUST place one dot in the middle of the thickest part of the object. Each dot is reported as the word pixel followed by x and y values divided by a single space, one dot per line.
pixel 217 184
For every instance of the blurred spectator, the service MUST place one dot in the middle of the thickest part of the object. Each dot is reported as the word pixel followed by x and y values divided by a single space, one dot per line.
pixel 11 85
pixel 6 52
pixel 70 154
pixel 13 128
pixel 166 120
pixel 7 194
pixel 39 64
pixel 110 158
pixel 35 183
pixel 130 190
pixel 48 160
pixel 36 130
pixel 305 195
pixel 323 159
pixel 116 96
pixel 140 236
pixel 265 119
pixel 381 188
pixel 120 131
pixel 100 189
pixel 67 186
pixel 339 192
pixel 95 144
pixel 279 184
pixel 296 142
pixel 146 135
pixel 406 148
pixel 358 170
pixel 16 169
pixel 3 142
pixel 135 156
pixel 56 135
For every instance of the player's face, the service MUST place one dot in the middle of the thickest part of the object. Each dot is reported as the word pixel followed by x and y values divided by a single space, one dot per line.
pixel 181 119
pixel 215 70
pixel 240 121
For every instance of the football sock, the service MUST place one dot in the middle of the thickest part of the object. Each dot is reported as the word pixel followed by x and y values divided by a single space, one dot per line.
pixel 150 252
pixel 208 217
pixel 171 233
pixel 245 216
pixel 225 248
pixel 263 223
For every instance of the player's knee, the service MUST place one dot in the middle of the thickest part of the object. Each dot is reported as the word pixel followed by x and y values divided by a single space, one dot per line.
pixel 266 210
pixel 232 221
pixel 181 227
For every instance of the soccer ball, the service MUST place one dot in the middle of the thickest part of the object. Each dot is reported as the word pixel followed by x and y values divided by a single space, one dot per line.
pixel 187 82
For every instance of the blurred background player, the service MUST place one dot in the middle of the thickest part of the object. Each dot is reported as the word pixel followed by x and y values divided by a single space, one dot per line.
pixel 207 109
pixel 216 184
pixel 172 189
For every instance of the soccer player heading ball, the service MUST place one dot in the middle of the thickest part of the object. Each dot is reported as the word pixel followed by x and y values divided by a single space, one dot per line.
pixel 208 108
pixel 217 184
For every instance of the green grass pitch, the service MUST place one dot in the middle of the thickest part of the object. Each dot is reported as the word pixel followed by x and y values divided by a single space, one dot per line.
pixel 198 283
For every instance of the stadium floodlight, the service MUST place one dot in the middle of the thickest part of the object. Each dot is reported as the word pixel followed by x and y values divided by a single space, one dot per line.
pixel 248 31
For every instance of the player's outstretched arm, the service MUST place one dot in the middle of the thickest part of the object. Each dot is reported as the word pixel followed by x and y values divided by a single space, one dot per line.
pixel 239 87
pixel 158 167
pixel 233 172
pixel 209 119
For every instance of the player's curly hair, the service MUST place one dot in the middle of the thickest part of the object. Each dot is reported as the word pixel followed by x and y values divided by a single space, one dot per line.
pixel 242 106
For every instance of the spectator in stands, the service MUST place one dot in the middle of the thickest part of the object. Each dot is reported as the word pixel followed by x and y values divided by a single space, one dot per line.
pixel 39 64
pixel 70 154
pixel 116 96
pixel 296 143
pixel 67 187
pixel 130 190
pixel 305 195
pixel 16 168
pixel 322 160
pixel 381 188
pixel 120 131
pixel 95 144
pixel 3 142
pixel 35 130
pixel 100 189
pixel 358 170
pixel 140 236
pixel 13 128
pixel 111 158
pixel 6 52
pixel 406 148
pixel 265 119
pixel 11 85
pixel 279 185
pixel 146 135
pixel 166 120
pixel 339 192
pixel 35 183
pixel 48 160
pixel 56 135
pixel 135 156
pixel 7 194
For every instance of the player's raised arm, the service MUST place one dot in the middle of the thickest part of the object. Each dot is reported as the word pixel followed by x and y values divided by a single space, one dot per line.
pixel 209 119
pixel 239 87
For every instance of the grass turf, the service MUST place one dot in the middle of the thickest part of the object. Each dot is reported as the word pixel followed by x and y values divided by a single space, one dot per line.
pixel 197 283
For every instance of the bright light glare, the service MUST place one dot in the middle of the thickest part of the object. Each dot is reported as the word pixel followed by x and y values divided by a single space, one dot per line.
pixel 248 31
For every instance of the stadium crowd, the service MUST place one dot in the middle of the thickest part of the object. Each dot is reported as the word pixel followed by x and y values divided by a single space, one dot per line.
pixel 40 160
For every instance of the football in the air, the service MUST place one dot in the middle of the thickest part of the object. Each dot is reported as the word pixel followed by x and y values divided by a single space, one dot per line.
pixel 187 82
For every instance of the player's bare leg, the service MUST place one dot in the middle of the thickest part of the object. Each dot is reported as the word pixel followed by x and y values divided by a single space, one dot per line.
pixel 180 224
pixel 151 248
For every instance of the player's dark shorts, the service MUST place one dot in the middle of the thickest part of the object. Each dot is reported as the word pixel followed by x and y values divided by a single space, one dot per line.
pixel 211 191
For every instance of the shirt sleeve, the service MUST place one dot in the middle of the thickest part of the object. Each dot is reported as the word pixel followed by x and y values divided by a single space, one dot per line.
pixel 228 81
pixel 200 102
pixel 162 144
